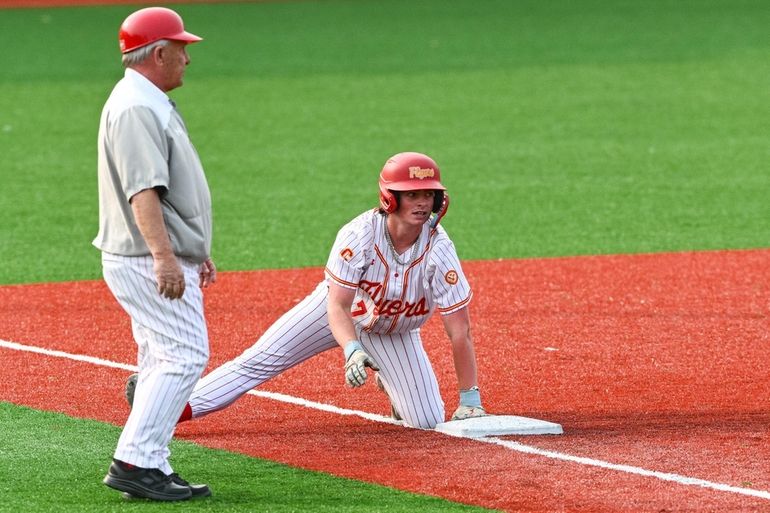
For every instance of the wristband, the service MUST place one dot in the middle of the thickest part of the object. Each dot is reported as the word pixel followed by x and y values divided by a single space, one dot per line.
pixel 352 347
pixel 471 397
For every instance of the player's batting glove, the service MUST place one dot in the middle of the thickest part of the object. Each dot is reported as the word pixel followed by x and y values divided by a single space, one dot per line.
pixel 356 362
pixel 470 405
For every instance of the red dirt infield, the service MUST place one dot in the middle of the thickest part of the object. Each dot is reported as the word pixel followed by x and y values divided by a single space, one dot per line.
pixel 652 361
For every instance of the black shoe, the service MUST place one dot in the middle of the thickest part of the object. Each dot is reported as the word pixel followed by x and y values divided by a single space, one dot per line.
pixel 197 490
pixel 131 389
pixel 145 483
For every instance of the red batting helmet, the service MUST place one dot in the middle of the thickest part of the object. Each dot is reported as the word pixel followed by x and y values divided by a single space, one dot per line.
pixel 409 171
pixel 152 24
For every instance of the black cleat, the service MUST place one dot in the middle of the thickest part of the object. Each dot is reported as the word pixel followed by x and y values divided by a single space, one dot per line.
pixel 131 389
pixel 145 483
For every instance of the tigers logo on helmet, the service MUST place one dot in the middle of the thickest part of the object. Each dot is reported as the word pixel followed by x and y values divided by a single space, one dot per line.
pixel 418 172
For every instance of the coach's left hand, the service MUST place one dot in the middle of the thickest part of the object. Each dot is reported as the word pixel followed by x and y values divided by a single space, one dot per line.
pixel 207 273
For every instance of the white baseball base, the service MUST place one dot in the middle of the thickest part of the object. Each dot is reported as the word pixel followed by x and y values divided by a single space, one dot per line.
pixel 496 425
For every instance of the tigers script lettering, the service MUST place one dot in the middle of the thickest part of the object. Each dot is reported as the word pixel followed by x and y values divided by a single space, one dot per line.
pixel 392 307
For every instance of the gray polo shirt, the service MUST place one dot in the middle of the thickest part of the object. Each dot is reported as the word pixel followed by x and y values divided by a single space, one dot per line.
pixel 143 143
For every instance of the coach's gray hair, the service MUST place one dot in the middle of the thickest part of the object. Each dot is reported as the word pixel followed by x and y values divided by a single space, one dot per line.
pixel 140 54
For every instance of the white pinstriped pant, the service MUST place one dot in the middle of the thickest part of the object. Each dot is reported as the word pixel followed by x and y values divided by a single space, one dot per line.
pixel 173 350
pixel 303 332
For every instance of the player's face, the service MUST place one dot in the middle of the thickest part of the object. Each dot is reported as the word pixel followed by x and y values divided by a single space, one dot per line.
pixel 415 206
pixel 175 59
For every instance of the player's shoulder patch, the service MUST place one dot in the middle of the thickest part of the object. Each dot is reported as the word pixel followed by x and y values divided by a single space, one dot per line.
pixel 346 254
pixel 451 277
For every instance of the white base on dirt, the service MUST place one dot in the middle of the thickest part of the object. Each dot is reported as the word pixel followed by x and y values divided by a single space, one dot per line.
pixel 496 425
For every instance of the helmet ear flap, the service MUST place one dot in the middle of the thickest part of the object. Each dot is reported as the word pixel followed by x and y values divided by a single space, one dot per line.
pixel 388 201
pixel 441 211
pixel 438 200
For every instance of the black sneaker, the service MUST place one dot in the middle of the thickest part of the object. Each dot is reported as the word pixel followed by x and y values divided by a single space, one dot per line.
pixel 131 389
pixel 197 490
pixel 145 483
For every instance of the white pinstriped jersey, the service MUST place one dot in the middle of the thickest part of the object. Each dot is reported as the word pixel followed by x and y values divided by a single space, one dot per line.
pixel 391 297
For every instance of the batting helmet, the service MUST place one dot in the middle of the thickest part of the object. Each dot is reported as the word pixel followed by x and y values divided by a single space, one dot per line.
pixel 409 171
pixel 152 24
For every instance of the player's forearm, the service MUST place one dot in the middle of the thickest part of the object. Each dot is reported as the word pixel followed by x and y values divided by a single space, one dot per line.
pixel 341 324
pixel 149 219
pixel 465 363
pixel 338 312
pixel 458 328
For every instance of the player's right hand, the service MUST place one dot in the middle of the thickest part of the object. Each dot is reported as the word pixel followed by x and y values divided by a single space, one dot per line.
pixel 355 368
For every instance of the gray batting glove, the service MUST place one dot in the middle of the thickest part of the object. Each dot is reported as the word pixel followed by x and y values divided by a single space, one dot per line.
pixel 356 362
pixel 470 405
pixel 466 412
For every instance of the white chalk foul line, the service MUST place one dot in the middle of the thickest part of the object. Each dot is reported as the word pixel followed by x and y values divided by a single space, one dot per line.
pixel 665 476
pixel 69 356
pixel 515 446
pixel 324 407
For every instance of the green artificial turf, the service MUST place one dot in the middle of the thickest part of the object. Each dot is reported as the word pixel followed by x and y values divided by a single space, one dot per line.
pixel 562 128
pixel 51 462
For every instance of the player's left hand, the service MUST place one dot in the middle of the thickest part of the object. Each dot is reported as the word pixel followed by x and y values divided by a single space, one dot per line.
pixel 207 273
pixel 466 412
pixel 470 404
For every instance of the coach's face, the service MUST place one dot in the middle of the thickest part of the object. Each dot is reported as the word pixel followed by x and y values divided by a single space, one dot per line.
pixel 172 60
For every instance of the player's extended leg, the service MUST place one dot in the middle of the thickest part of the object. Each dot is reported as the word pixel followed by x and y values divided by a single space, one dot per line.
pixel 408 377
pixel 299 334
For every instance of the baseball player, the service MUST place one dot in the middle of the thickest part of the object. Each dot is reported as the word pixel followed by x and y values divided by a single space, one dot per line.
pixel 155 237
pixel 389 269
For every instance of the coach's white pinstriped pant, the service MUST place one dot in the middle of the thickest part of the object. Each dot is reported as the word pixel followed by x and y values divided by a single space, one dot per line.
pixel 173 350
pixel 303 332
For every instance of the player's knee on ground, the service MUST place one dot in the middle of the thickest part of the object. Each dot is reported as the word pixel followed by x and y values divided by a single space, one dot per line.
pixel 428 421
pixel 422 424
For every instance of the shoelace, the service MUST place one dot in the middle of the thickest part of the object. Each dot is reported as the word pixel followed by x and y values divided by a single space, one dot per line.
pixel 178 480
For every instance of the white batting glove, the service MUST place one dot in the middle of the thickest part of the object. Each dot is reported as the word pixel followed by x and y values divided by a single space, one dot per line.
pixel 470 405
pixel 356 362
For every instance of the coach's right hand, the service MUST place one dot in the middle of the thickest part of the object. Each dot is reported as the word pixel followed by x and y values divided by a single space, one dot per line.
pixel 356 362
pixel 170 277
